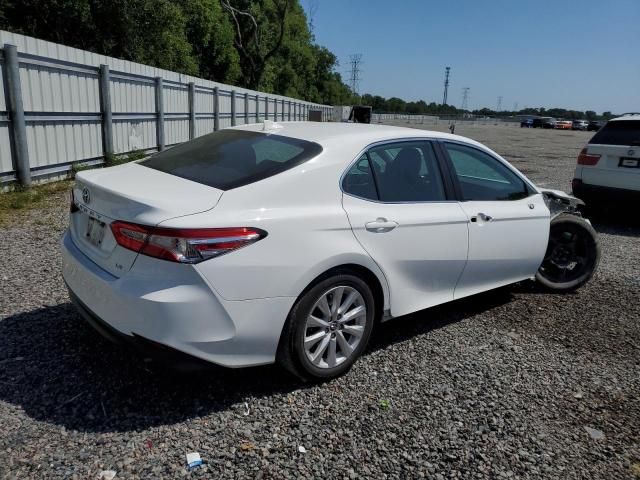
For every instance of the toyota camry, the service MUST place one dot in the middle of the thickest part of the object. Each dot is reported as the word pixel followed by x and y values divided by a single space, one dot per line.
pixel 289 242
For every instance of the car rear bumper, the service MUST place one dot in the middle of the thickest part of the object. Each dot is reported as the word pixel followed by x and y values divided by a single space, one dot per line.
pixel 171 305
pixel 590 194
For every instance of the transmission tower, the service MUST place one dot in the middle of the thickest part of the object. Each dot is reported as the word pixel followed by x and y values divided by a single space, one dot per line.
pixel 446 84
pixel 465 98
pixel 499 109
pixel 354 76
pixel 515 107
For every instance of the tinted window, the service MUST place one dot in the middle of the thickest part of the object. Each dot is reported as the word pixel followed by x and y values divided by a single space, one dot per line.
pixel 482 177
pixel 233 158
pixel 407 172
pixel 620 132
pixel 359 180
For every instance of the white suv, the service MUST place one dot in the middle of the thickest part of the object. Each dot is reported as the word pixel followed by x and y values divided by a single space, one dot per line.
pixel 609 165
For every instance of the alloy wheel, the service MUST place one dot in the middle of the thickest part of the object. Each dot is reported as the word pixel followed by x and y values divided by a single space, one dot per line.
pixel 335 326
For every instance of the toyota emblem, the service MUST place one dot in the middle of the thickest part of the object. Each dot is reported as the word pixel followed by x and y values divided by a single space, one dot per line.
pixel 86 195
pixel 631 152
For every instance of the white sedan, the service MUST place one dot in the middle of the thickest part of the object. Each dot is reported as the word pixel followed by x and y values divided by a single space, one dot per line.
pixel 289 242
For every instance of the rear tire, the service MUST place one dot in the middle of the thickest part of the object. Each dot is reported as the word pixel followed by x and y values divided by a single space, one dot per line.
pixel 328 328
pixel 572 254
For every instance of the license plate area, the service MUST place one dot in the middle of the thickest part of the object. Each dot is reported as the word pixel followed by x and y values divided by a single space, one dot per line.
pixel 626 162
pixel 95 232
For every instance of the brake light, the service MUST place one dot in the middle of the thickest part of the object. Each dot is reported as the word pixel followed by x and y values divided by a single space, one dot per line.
pixel 587 159
pixel 183 245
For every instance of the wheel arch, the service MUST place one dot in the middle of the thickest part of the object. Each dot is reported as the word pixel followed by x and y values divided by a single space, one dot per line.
pixel 364 268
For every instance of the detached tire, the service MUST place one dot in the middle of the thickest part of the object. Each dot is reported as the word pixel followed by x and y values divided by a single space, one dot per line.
pixel 572 254
pixel 328 328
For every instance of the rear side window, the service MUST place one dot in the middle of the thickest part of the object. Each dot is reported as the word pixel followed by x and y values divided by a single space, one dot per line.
pixel 233 158
pixel 397 172
pixel 359 180
pixel 620 132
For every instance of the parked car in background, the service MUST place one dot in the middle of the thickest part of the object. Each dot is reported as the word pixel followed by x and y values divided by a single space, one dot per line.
pixel 544 122
pixel 526 123
pixel 579 125
pixel 290 241
pixel 563 124
pixel 595 125
pixel 609 165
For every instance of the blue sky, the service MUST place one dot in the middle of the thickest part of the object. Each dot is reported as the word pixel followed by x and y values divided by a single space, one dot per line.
pixel 579 54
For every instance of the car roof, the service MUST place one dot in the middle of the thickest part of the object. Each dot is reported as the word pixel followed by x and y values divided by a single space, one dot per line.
pixel 335 134
pixel 627 116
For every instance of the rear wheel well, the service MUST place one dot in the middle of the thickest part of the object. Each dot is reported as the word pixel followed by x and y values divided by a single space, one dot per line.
pixel 287 354
pixel 359 271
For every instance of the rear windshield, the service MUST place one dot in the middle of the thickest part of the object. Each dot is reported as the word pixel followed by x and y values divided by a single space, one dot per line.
pixel 620 132
pixel 232 158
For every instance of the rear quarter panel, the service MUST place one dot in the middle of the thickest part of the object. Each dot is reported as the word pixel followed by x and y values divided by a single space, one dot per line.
pixel 308 233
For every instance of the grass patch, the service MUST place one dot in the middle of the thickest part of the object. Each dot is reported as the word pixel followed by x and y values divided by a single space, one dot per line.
pixel 113 160
pixel 22 198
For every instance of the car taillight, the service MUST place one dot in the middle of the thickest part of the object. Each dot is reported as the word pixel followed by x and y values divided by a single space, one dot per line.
pixel 73 208
pixel 183 245
pixel 587 159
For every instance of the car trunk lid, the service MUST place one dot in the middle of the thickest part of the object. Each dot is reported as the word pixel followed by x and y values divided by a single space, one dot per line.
pixel 131 193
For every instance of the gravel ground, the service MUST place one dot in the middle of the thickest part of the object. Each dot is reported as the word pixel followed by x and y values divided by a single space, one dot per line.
pixel 514 383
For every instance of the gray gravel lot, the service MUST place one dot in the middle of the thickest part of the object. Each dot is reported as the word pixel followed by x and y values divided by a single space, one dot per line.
pixel 501 385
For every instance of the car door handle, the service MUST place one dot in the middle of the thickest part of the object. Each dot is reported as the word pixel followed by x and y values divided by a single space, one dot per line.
pixel 381 225
pixel 481 218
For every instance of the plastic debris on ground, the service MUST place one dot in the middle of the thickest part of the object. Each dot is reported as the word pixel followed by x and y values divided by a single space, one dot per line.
pixel 301 449
pixel 107 475
pixel 594 433
pixel 193 460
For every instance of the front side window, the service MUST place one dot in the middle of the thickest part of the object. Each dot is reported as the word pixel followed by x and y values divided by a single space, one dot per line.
pixel 233 158
pixel 483 177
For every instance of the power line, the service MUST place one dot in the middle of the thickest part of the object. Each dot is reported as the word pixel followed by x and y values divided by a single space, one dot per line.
pixel 465 98
pixel 446 84
pixel 354 76
pixel 499 109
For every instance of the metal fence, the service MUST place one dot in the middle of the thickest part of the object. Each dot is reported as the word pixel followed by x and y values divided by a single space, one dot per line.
pixel 60 106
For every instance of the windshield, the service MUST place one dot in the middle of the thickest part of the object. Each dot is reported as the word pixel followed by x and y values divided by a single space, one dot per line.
pixel 233 158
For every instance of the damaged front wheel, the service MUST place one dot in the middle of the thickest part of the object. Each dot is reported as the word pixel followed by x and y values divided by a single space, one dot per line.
pixel 572 254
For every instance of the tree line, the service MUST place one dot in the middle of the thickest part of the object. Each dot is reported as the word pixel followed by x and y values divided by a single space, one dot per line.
pixel 265 45
pixel 420 107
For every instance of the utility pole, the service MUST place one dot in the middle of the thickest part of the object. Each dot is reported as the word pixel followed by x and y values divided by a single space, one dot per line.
pixel 446 85
pixel 465 98
pixel 354 75
pixel 499 109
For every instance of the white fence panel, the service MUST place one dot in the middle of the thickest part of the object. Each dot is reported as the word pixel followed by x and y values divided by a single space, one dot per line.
pixel 175 98
pixel 176 131
pixel 131 135
pixel 51 90
pixel 51 144
pixel 132 97
pixel 204 126
pixel 204 102
pixel 3 105
pixel 6 164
